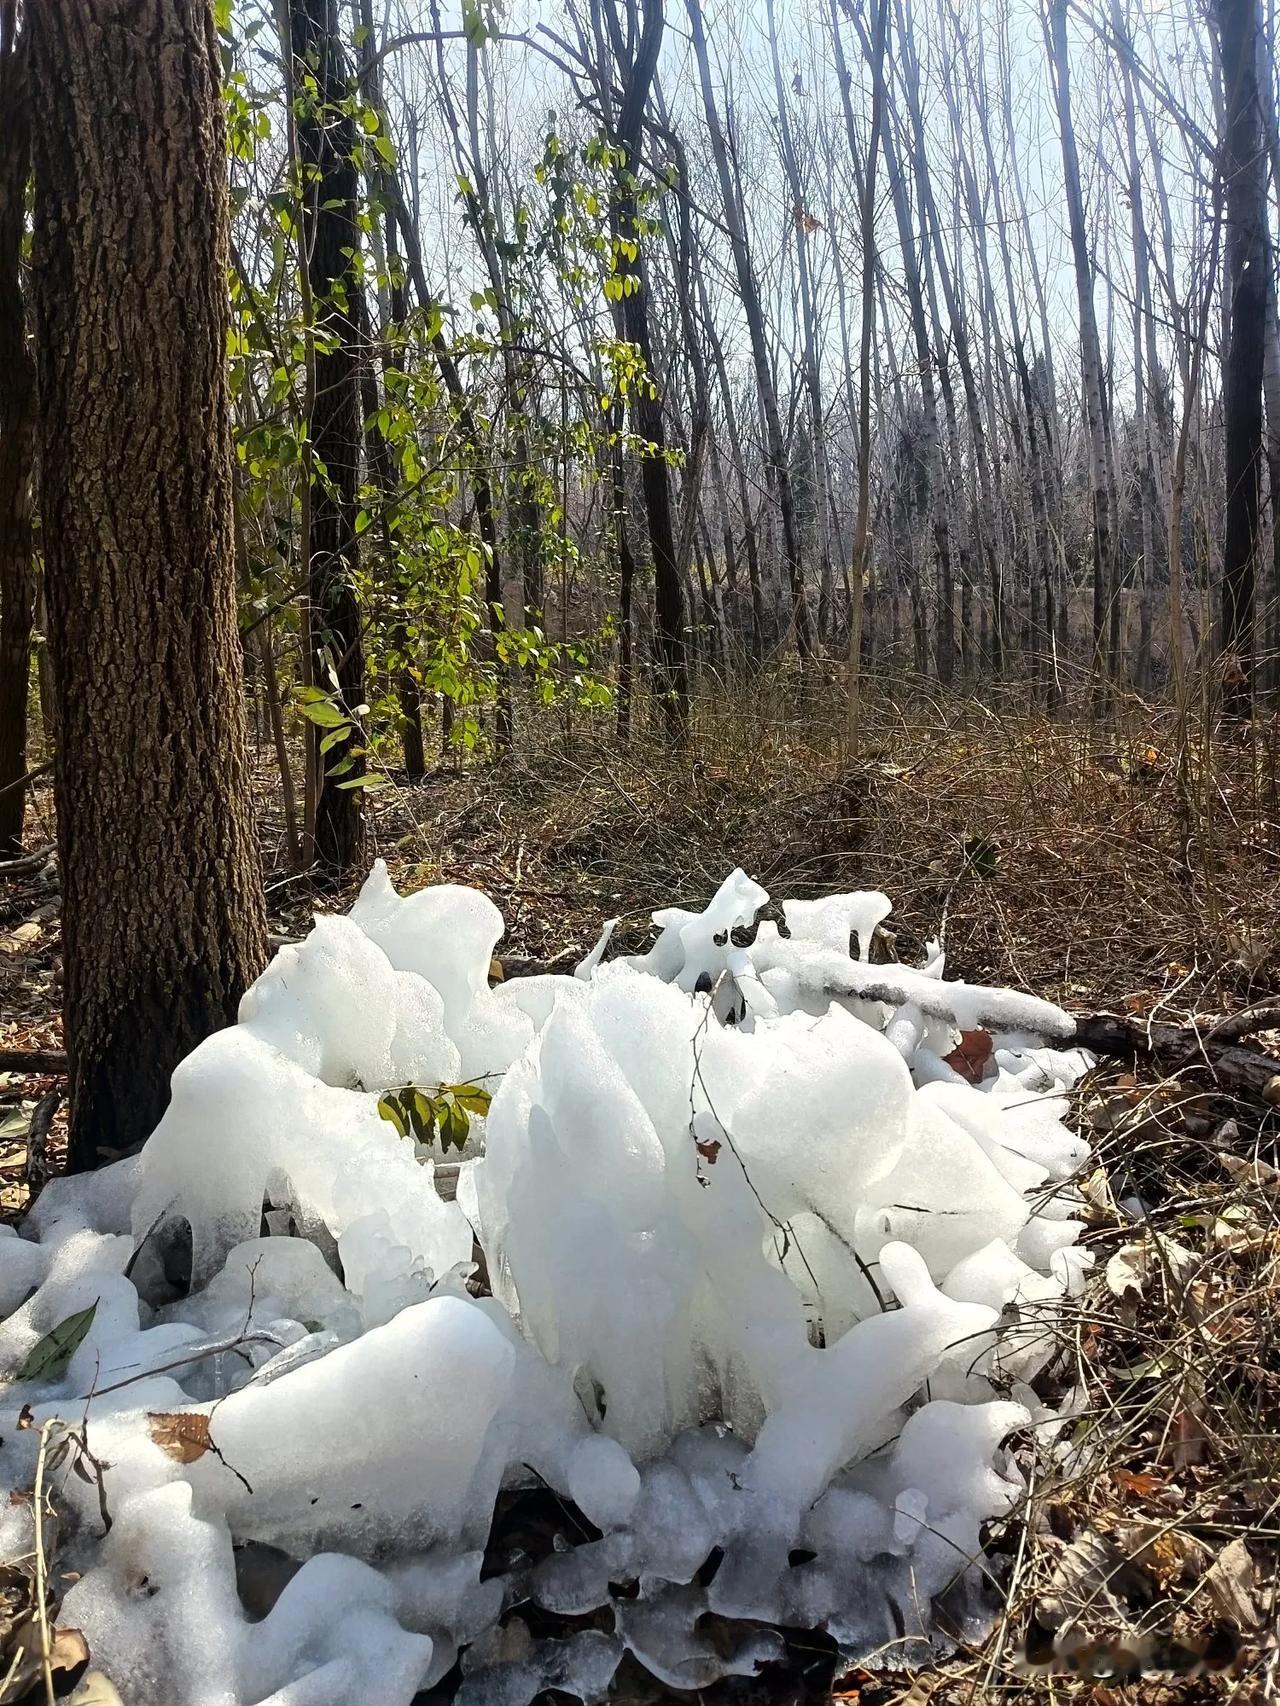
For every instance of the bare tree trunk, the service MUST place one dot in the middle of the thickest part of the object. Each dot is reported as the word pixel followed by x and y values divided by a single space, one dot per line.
pixel 17 437
pixel 1245 287
pixel 1104 546
pixel 777 471
pixel 1144 370
pixel 938 508
pixel 931 230
pixel 129 278
pixel 634 52
pixel 326 140
pixel 809 328
pixel 862 526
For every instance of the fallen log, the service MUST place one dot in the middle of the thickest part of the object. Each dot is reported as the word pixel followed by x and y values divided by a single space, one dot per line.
pixel 43 1062
pixel 1235 1070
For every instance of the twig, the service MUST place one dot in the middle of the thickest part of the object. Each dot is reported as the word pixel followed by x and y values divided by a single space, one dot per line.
pixel 38 1171
pixel 42 1609
pixel 31 776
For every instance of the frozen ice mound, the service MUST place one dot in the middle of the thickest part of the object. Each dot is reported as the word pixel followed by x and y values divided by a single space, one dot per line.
pixel 740 1268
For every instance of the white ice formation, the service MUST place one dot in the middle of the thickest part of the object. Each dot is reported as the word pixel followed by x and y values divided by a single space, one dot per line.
pixel 739 1271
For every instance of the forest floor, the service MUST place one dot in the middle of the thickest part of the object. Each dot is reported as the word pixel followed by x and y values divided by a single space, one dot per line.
pixel 1134 869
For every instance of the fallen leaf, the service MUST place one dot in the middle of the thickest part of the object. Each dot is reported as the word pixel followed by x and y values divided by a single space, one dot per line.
pixel 1086 1583
pixel 68 1650
pixel 1142 1486
pixel 183 1434
pixel 1187 1437
pixel 970 1055
pixel 1231 1583
pixel 709 1150
pixel 1131 1269
pixel 48 1358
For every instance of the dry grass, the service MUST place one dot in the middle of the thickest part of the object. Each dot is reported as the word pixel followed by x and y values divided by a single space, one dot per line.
pixel 1089 863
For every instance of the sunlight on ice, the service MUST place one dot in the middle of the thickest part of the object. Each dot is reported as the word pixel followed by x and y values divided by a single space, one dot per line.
pixel 752 1245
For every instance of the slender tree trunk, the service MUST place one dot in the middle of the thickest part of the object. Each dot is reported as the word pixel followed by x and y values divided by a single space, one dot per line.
pixel 17 436
pixel 326 140
pixel 938 507
pixel 162 918
pixel 636 59
pixel 810 370
pixel 1104 547
pixel 1245 287
pixel 777 472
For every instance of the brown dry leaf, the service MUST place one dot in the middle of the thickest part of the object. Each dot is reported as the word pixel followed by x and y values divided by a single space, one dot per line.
pixel 1238 1230
pixel 1097 1192
pixel 1168 1553
pixel 1188 1441
pixel 1085 1582
pixel 970 1055
pixel 1142 1486
pixel 68 1649
pixel 184 1434
pixel 1131 1269
pixel 1250 1171
pixel 1231 1583
pixel 496 973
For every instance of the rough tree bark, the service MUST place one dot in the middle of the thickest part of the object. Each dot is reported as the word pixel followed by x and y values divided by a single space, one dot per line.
pixel 163 920
pixel 17 431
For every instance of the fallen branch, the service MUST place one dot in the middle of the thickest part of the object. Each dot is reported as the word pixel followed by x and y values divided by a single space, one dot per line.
pixel 1181 1048
pixel 26 863
pixel 30 776
pixel 1246 1024
pixel 38 1171
pixel 45 1062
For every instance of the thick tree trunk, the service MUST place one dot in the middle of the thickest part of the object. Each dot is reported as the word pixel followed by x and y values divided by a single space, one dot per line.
pixel 1244 167
pixel 17 431
pixel 162 919
pixel 326 139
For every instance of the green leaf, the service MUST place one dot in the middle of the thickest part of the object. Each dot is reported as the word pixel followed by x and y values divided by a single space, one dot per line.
pixel 422 1113
pixel 454 1126
pixel 51 1356
pixel 473 1097
pixel 371 779
pixel 333 738
pixel 362 522
pixel 390 1109
pixel 328 716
